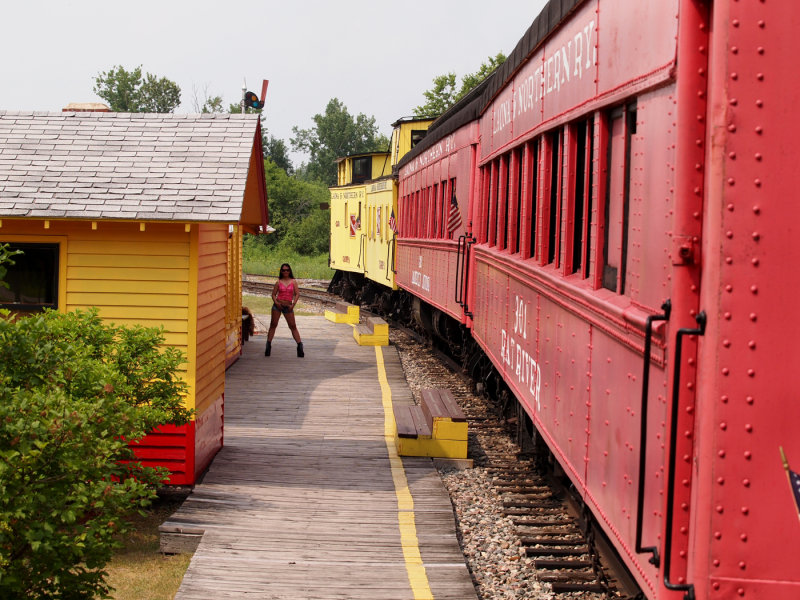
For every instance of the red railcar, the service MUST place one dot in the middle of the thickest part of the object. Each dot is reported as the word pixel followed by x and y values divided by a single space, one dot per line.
pixel 621 193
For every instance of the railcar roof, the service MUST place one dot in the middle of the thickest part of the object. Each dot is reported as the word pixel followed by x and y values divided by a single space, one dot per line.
pixel 141 166
pixel 471 106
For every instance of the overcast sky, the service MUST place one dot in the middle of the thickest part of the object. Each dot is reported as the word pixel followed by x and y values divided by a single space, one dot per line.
pixel 377 57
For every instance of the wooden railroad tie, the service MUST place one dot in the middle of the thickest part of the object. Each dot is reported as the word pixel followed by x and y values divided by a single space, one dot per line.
pixel 436 427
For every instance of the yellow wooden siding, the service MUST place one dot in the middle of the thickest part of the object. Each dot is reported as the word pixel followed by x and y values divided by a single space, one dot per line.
pixel 346 251
pixel 133 277
pixel 233 299
pixel 210 318
pixel 401 137
pixel 381 165
pixel 381 200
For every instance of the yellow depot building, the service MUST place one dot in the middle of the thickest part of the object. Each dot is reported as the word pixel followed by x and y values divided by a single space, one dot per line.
pixel 141 216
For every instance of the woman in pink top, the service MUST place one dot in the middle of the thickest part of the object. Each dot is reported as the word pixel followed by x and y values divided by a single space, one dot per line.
pixel 285 294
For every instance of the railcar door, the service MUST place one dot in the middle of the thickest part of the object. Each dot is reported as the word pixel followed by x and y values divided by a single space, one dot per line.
pixel 687 323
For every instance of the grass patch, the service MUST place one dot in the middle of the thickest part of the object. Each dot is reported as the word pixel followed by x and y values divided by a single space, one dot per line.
pixel 138 571
pixel 263 260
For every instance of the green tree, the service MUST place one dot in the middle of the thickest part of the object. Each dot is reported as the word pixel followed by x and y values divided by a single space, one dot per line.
pixel 212 105
pixel 335 134
pixel 275 150
pixel 444 94
pixel 74 392
pixel 291 201
pixel 440 97
pixel 127 91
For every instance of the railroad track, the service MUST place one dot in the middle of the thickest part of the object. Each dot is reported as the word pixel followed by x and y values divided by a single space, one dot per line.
pixel 312 293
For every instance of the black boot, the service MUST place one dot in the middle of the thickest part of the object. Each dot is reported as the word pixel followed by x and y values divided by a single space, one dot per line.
pixel 300 352
pixel 268 349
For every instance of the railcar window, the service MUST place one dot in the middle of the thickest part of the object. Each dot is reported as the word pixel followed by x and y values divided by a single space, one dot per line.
pixel 486 196
pixel 419 215
pixel 440 210
pixel 578 209
pixel 622 123
pixel 588 197
pixel 517 197
pixel 436 207
pixel 532 163
pixel 493 197
pixel 33 278
pixel 451 192
pixel 502 204
pixel 553 217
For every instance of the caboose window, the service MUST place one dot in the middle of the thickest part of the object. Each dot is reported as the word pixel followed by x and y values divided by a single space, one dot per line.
pixel 33 278
pixel 417 135
pixel 362 168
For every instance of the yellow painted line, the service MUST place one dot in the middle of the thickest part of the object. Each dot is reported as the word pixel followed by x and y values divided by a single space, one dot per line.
pixel 417 576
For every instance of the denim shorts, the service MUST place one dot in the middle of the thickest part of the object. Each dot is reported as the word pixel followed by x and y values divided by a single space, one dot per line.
pixel 286 310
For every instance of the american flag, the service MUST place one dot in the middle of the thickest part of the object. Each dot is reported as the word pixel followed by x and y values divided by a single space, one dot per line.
pixel 392 222
pixel 794 480
pixel 454 218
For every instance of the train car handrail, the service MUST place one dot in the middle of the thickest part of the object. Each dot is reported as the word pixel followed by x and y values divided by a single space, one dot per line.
pixel 648 339
pixel 673 439
pixel 458 291
pixel 470 240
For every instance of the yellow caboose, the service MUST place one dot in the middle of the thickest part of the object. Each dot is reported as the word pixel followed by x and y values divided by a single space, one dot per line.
pixel 364 208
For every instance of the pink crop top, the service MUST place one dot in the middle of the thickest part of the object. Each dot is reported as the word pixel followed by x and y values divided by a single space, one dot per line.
pixel 285 291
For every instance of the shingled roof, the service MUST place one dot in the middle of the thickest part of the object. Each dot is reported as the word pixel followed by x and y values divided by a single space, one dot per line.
pixel 149 167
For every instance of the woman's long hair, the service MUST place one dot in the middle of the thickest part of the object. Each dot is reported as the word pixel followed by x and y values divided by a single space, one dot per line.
pixel 288 266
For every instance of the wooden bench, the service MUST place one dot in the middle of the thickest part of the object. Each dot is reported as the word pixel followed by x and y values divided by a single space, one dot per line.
pixel 343 313
pixel 375 332
pixel 437 427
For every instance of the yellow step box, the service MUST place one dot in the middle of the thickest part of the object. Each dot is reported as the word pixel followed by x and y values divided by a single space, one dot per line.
pixel 375 332
pixel 436 428
pixel 343 313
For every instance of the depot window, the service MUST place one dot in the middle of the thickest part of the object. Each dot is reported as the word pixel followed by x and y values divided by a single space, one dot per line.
pixel 33 278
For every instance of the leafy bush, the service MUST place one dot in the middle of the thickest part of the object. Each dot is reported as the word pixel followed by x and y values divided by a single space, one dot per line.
pixel 311 236
pixel 291 201
pixel 73 393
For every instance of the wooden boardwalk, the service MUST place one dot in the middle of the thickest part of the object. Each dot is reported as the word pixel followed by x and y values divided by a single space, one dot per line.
pixel 306 499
